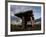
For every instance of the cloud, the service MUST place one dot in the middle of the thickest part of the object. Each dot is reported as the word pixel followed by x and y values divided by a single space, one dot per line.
pixel 19 8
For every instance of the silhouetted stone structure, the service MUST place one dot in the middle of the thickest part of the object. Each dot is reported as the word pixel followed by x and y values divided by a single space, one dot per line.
pixel 26 16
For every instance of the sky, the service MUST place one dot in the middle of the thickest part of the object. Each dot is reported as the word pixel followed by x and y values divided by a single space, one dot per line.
pixel 20 8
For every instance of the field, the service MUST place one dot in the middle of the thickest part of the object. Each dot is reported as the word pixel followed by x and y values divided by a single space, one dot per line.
pixel 28 28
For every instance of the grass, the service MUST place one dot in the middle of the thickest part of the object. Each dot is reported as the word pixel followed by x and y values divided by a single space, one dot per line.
pixel 28 28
